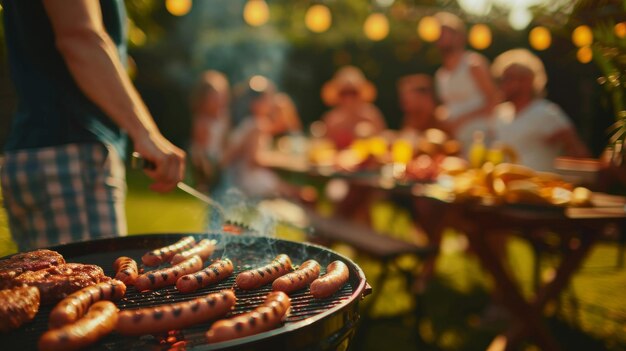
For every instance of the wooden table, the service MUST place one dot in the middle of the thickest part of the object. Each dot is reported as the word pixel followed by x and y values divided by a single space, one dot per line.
pixel 580 228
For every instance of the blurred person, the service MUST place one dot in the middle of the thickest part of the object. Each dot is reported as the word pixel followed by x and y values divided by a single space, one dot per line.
pixel 63 177
pixel 352 115
pixel 210 101
pixel 463 82
pixel 284 118
pixel 418 103
pixel 537 129
pixel 248 137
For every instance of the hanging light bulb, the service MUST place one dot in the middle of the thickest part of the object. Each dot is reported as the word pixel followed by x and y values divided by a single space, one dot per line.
pixel 540 38
pixel 178 7
pixel 256 12
pixel 480 36
pixel 620 30
pixel 318 18
pixel 582 36
pixel 584 54
pixel 376 27
pixel 429 29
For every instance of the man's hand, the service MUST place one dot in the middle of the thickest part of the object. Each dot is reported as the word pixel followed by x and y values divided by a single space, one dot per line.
pixel 168 159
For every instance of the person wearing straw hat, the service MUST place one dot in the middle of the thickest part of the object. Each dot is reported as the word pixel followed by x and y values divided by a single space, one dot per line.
pixel 463 82
pixel 537 129
pixel 353 115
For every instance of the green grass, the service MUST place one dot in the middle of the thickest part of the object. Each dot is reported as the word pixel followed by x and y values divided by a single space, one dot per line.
pixel 591 314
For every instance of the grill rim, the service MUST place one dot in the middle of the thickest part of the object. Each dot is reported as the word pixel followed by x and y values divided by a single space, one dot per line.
pixel 360 290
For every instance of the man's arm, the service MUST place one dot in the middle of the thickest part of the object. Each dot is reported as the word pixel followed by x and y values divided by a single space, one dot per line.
pixel 94 64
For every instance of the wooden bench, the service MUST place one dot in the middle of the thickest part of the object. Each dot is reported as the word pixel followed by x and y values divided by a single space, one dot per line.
pixel 368 241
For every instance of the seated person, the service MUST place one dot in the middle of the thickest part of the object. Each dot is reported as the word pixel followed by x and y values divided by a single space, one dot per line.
pixel 285 118
pixel 252 130
pixel 537 129
pixel 210 98
pixel 418 104
pixel 353 115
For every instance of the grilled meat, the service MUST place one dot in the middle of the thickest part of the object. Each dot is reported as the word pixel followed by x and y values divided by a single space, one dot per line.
pixel 25 262
pixel 19 305
pixel 55 283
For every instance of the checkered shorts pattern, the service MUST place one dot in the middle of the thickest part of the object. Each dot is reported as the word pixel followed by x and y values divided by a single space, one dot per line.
pixel 62 194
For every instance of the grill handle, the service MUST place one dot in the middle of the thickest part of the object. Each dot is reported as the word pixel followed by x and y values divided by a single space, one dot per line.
pixel 367 290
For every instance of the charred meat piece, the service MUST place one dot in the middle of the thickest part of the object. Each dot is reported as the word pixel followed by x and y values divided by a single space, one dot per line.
pixel 19 305
pixel 26 262
pixel 55 283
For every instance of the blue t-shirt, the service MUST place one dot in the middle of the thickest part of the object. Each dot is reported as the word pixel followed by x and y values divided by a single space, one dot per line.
pixel 51 108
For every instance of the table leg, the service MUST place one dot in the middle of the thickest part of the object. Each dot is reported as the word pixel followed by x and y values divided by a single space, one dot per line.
pixel 511 295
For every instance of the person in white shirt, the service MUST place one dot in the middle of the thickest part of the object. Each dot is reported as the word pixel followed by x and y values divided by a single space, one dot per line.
pixel 463 82
pixel 537 129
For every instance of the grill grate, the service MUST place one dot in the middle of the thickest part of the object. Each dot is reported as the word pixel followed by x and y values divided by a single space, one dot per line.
pixel 303 304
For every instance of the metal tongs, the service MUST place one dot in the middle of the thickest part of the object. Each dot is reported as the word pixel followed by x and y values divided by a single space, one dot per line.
pixel 138 162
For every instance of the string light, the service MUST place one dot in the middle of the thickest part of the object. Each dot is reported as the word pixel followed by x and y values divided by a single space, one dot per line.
pixel 256 12
pixel 376 27
pixel 540 38
pixel 480 36
pixel 318 18
pixel 178 7
pixel 620 30
pixel 584 54
pixel 429 29
pixel 582 36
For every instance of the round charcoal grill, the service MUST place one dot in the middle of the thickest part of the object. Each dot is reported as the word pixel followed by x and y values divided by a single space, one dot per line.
pixel 313 324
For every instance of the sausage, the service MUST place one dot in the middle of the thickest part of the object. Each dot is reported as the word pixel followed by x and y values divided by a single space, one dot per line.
pixel 175 316
pixel 298 279
pixel 204 249
pixel 167 276
pixel 336 276
pixel 71 308
pixel 214 273
pixel 258 277
pixel 126 270
pixel 98 322
pixel 263 318
pixel 165 254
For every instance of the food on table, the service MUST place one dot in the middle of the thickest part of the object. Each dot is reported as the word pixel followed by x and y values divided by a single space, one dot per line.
pixel 215 272
pixel 204 249
pixel 167 276
pixel 175 316
pixel 298 279
pixel 165 254
pixel 99 321
pixel 73 307
pixel 55 283
pixel 263 318
pixel 255 278
pixel 19 305
pixel 26 262
pixel 126 270
pixel 336 276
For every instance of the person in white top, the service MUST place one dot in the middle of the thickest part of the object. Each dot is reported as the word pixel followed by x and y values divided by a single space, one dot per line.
pixel 210 99
pixel 537 129
pixel 463 82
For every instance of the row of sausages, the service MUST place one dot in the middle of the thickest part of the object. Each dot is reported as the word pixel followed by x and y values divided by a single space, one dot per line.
pixel 87 315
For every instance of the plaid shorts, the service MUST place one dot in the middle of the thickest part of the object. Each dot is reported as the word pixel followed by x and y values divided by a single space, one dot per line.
pixel 62 194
